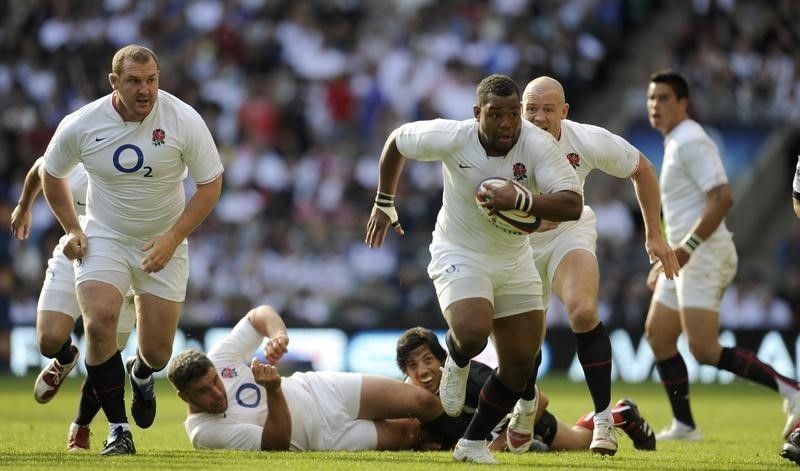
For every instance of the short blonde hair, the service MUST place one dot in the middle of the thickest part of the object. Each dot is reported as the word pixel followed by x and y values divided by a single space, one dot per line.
pixel 134 52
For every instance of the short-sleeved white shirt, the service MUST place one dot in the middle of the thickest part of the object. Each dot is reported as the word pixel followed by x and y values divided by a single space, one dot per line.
pixel 586 148
pixel 241 425
pixel 692 166
pixel 135 169
pixel 78 185
pixel 535 161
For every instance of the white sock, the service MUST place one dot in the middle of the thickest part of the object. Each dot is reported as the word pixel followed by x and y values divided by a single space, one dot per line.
pixel 604 415
pixel 126 427
pixel 526 406
pixel 139 381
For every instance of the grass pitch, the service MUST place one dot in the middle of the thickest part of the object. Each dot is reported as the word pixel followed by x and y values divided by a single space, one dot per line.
pixel 741 426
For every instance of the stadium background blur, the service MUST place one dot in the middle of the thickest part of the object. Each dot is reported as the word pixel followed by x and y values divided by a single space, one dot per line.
pixel 300 96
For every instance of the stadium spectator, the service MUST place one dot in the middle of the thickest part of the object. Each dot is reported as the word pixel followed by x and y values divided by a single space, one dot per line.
pixel 421 357
pixel 485 278
pixel 58 310
pixel 136 224
pixel 312 411
pixel 565 253
pixel 696 198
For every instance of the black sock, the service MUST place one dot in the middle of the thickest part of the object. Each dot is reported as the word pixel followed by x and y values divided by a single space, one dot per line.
pixel 140 368
pixel 446 430
pixel 530 387
pixel 108 380
pixel 89 406
pixel 675 378
pixel 65 354
pixel 496 400
pixel 457 357
pixel 594 353
pixel 744 363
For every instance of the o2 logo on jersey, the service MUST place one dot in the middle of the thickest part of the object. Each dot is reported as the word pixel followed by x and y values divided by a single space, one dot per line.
pixel 244 402
pixel 139 160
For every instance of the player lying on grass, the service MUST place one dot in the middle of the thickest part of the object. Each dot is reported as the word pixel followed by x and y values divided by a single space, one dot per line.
pixel 236 406
pixel 420 357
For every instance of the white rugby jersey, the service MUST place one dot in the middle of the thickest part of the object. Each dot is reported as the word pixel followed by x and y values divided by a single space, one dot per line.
pixel 586 148
pixel 241 425
pixel 78 184
pixel 135 169
pixel 535 161
pixel 692 166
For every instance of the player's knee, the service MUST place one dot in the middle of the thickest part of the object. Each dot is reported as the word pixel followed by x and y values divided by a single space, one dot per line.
pixel 471 340
pixel 583 317
pixel 156 358
pixel 704 353
pixel 50 343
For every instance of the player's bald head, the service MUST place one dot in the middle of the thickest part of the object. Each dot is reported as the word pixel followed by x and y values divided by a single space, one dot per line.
pixel 545 86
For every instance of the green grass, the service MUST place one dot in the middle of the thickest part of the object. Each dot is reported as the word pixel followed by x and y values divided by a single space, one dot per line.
pixel 741 425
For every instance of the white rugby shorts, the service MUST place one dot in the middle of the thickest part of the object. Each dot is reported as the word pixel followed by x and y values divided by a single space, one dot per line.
pixel 511 283
pixel 58 294
pixel 118 261
pixel 703 280
pixel 550 249
pixel 338 396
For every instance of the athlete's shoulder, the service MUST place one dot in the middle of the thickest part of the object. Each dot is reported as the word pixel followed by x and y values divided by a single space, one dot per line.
pixel 87 116
pixel 584 129
pixel 172 104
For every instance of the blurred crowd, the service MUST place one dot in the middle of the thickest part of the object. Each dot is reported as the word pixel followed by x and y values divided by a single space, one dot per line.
pixel 300 96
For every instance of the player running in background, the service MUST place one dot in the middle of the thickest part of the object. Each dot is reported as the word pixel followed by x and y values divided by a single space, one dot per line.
pixel 137 145
pixel 485 279
pixel 316 411
pixel 695 197
pixel 58 309
pixel 791 448
pixel 421 357
pixel 565 253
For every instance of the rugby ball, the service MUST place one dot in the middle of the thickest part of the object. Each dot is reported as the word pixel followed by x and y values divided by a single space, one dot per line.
pixel 511 221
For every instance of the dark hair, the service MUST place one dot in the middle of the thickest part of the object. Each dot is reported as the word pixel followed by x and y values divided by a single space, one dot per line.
pixel 496 84
pixel 675 81
pixel 188 366
pixel 414 338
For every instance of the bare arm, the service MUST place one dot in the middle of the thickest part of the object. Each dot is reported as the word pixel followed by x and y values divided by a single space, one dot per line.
pixel 31 187
pixel 562 205
pixel 718 202
pixel 56 191
pixel 796 206
pixel 268 323
pixel 160 249
pixel 276 434
pixel 390 168
pixel 645 184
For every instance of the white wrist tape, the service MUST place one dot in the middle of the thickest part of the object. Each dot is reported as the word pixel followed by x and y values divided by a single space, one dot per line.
pixel 385 203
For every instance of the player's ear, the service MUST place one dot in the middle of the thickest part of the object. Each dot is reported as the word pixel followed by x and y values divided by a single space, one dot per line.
pixel 565 111
pixel 476 110
pixel 113 79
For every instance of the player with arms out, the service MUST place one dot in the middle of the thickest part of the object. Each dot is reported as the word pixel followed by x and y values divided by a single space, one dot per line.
pixel 58 309
pixel 696 197
pixel 421 357
pixel 485 279
pixel 137 145
pixel 236 406
pixel 565 253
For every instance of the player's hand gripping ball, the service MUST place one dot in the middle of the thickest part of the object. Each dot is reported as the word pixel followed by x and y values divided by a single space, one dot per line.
pixel 513 221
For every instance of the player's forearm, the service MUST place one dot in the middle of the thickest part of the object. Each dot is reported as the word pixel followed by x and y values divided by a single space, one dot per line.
pixel 32 185
pixel 559 206
pixel 645 185
pixel 718 202
pixel 277 431
pixel 796 206
pixel 197 209
pixel 390 167
pixel 58 196
pixel 266 321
